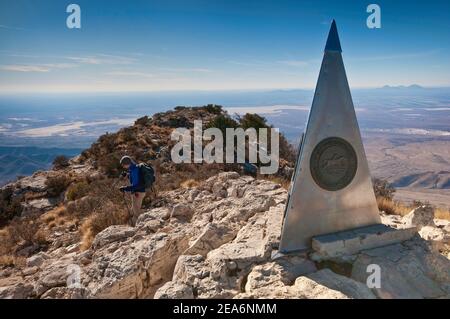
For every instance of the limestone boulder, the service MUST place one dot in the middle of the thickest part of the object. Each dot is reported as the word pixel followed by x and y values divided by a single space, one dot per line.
pixel 181 211
pixel 173 290
pixel 112 234
pixel 66 293
pixel 407 270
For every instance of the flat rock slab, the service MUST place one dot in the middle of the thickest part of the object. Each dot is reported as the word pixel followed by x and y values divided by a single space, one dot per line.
pixel 352 241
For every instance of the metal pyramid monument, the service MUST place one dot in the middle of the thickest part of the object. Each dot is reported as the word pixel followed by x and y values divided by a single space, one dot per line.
pixel 331 188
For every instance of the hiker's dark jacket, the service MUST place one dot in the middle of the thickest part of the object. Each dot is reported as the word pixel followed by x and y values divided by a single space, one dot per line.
pixel 136 180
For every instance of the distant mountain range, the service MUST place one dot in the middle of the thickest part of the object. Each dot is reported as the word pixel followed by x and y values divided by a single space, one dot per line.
pixel 22 161
pixel 400 87
pixel 436 180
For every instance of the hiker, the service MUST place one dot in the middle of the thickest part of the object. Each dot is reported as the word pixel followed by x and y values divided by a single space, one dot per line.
pixel 250 169
pixel 141 177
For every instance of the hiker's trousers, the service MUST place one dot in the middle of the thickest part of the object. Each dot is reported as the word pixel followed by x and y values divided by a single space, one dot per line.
pixel 136 203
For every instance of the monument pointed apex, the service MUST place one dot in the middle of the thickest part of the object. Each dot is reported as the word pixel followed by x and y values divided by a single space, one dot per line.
pixel 333 43
pixel 331 189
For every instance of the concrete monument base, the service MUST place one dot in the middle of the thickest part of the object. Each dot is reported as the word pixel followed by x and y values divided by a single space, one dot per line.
pixel 352 241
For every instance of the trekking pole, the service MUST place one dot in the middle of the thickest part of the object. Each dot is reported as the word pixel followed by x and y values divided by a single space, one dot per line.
pixel 123 196
pixel 126 205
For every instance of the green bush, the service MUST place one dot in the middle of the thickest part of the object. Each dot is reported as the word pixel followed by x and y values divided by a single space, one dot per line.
pixel 77 190
pixel 107 142
pixel 110 164
pixel 57 184
pixel 142 121
pixel 9 205
pixel 128 134
pixel 222 122
pixel 252 120
pixel 213 108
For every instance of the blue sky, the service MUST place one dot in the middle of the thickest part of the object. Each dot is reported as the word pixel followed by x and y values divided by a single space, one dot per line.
pixel 217 45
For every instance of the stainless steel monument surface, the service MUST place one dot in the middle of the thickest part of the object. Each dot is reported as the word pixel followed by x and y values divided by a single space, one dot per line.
pixel 331 189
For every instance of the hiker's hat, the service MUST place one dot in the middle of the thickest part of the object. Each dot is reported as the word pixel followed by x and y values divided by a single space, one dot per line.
pixel 126 160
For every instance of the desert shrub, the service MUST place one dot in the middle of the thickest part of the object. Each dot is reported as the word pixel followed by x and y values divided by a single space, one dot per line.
pixel 100 191
pixel 110 164
pixel 383 189
pixel 10 205
pixel 222 122
pixel 60 162
pixel 142 121
pixel 127 135
pixel 22 232
pixel 179 121
pixel 287 150
pixel 57 184
pixel 83 206
pixel 85 154
pixel 106 144
pixel 77 190
pixel 418 203
pixel 252 120
pixel 213 108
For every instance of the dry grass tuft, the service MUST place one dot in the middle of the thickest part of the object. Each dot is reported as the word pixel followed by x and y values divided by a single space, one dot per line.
pixel 103 217
pixel 190 183
pixel 396 208
pixel 7 261
pixel 391 207
pixel 54 215
pixel 442 213
pixel 285 183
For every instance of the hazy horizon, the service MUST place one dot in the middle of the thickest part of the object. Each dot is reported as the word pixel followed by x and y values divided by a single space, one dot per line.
pixel 154 46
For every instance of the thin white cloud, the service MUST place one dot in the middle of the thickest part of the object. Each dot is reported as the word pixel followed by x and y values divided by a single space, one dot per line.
pixel 197 70
pixel 132 74
pixel 98 59
pixel 16 55
pixel 397 56
pixel 241 63
pixel 18 119
pixel 24 68
pixel 294 63
pixel 2 26
pixel 36 68
pixel 59 65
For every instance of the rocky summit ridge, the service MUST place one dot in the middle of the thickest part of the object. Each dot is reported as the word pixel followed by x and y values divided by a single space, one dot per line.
pixel 216 240
pixel 208 231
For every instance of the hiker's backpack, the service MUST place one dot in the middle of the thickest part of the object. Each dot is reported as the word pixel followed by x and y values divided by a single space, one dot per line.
pixel 147 174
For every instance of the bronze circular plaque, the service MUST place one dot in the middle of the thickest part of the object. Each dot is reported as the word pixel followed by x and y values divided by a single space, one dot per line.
pixel 333 163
